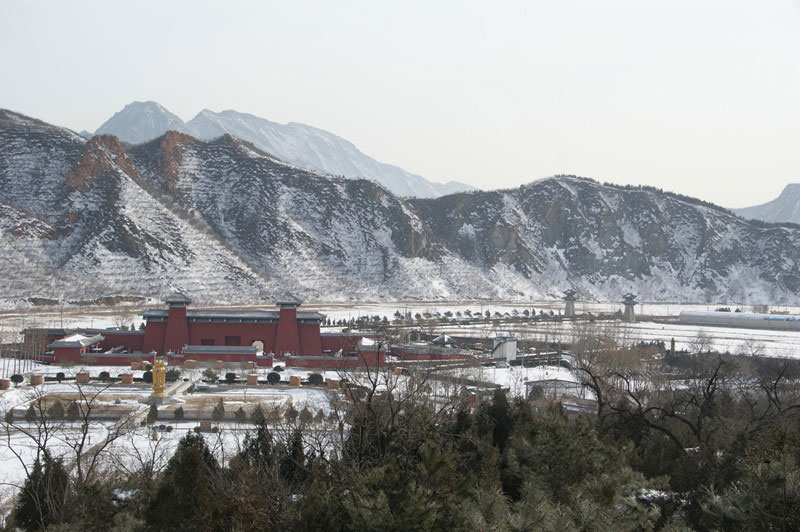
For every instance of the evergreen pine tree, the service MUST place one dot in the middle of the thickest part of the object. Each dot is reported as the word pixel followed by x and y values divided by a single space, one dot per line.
pixel 219 411
pixel 42 497
pixel 184 498
pixel 73 412
pixel 152 414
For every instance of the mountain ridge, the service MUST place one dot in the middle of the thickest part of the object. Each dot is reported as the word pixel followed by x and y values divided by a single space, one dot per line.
pixel 226 222
pixel 295 143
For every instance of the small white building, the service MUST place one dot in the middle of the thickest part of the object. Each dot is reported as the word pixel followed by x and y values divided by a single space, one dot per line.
pixel 505 347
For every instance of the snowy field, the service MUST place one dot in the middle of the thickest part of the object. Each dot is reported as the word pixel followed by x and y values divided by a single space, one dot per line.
pixel 722 339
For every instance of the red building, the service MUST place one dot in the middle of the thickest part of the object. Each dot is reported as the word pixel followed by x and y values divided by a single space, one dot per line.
pixel 235 336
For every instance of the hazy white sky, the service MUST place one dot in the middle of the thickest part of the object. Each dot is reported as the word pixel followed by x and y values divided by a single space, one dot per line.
pixel 700 97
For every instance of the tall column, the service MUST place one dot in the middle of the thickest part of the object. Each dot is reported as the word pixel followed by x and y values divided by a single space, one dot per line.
pixel 177 333
pixel 287 337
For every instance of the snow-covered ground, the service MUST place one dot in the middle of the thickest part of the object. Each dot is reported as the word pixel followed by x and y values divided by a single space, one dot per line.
pixel 722 339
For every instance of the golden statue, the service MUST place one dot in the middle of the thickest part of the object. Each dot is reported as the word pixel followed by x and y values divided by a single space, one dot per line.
pixel 159 379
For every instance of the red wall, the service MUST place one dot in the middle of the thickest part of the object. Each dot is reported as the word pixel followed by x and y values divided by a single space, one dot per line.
pixel 132 341
pixel 347 344
pixel 177 334
pixel 287 339
pixel 62 355
pixel 154 332
pixel 310 343
pixel 249 332
pixel 370 359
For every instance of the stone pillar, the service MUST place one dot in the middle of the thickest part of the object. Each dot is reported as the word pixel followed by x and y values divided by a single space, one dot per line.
pixel 252 379
pixel 5 384
pixel 294 380
pixel 333 384
pixel 36 380
pixel 126 378
pixel 82 378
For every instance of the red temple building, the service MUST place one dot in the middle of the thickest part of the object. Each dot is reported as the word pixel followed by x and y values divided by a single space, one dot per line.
pixel 233 336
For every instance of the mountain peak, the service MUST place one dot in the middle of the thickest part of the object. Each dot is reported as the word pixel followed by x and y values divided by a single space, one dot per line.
pixel 784 208
pixel 298 144
pixel 140 122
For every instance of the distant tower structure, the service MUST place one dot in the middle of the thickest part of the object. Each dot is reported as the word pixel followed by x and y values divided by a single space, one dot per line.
pixel 629 300
pixel 569 307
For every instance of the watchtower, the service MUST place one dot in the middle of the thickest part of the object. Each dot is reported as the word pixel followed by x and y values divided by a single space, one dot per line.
pixel 569 307
pixel 629 300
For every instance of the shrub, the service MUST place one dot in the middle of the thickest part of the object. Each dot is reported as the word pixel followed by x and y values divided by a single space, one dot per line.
pixel 240 416
pixel 73 412
pixel 16 379
pixel 56 411
pixel 147 377
pixel 152 414
pixel 316 379
pixel 219 411
pixel 172 375
pixel 210 374
pixel 306 416
pixel 178 413
pixel 257 415
pixel 230 377
pixel 273 378
pixel 105 376
pixel 60 376
pixel 9 417
pixel 170 428
pixel 291 413
pixel 30 414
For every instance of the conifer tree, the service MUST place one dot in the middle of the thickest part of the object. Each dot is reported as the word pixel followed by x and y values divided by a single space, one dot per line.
pixel 184 498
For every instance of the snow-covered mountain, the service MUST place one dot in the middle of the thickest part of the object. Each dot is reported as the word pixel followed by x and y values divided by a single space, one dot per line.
pixel 225 221
pixel 297 144
pixel 784 208
pixel 315 149
pixel 139 122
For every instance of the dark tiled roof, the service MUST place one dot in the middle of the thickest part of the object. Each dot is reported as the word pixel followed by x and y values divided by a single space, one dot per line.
pixel 219 350
pixel 234 314
pixel 289 300
pixel 177 297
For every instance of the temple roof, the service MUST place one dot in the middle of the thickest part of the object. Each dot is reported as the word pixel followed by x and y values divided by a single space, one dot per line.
pixel 177 298
pixel 232 315
pixel 78 340
pixel 289 300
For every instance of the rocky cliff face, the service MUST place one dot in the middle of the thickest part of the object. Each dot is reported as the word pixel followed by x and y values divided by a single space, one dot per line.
pixel 225 221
